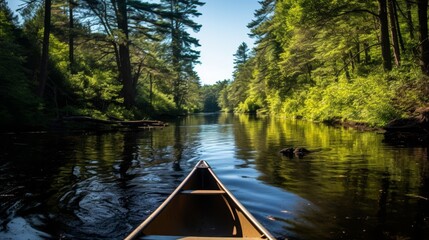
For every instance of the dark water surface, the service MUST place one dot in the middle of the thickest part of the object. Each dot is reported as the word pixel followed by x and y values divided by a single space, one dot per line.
pixel 100 186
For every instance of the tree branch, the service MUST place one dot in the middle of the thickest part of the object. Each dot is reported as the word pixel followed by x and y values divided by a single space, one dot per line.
pixel 354 56
pixel 359 11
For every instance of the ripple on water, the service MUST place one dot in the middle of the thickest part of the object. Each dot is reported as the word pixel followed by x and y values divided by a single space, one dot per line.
pixel 95 208
pixel 19 228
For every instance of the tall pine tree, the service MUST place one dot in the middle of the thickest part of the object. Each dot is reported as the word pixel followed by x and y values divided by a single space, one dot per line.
pixel 183 55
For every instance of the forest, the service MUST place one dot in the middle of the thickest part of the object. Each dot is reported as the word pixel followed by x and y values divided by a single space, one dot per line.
pixel 99 58
pixel 365 61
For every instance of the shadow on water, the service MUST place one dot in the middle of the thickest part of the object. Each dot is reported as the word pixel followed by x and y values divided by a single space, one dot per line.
pixel 84 186
pixel 351 186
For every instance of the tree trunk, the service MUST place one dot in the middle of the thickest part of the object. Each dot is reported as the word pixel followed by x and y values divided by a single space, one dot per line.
pixel 358 60
pixel 346 68
pixel 45 49
pixel 394 32
pixel 151 92
pixel 71 38
pixel 410 20
pixel 352 60
pixel 128 86
pixel 367 56
pixel 176 52
pixel 398 27
pixel 423 28
pixel 384 38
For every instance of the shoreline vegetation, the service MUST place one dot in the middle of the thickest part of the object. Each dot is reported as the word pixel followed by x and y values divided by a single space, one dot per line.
pixel 363 65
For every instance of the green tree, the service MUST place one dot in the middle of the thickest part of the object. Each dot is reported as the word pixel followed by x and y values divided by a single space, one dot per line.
pixel 223 100
pixel 211 94
pixel 183 56
pixel 242 55
pixel 18 104
pixel 118 20
pixel 307 51
pixel 238 90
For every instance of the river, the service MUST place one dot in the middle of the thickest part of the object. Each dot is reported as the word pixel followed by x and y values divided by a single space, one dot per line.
pixel 101 186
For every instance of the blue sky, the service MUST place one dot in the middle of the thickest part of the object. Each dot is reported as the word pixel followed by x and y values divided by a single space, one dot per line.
pixel 223 30
pixel 13 4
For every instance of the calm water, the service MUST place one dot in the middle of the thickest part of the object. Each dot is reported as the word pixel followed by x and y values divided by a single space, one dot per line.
pixel 100 186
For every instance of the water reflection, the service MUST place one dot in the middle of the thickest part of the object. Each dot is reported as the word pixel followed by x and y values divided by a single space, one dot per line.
pixel 352 186
pixel 355 181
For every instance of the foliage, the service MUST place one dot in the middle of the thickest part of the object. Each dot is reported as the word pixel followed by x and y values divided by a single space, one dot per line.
pixel 365 99
pixel 18 104
pixel 325 59
pixel 161 103
pixel 181 51
pixel 112 60
pixel 135 59
pixel 211 94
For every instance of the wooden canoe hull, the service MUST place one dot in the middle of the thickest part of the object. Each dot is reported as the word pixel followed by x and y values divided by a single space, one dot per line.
pixel 201 207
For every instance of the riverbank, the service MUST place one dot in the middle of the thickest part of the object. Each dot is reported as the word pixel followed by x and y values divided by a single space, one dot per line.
pixel 360 126
pixel 411 131
pixel 407 131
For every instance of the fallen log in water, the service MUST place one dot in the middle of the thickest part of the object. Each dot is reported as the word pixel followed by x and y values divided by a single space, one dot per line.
pixel 85 123
pixel 143 123
pixel 87 119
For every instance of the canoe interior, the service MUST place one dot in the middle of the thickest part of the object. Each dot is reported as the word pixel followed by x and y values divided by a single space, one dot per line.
pixel 201 207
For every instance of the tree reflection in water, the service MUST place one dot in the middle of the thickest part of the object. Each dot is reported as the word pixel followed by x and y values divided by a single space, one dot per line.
pixel 82 186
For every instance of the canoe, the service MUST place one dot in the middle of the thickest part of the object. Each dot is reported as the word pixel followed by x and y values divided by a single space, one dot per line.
pixel 201 207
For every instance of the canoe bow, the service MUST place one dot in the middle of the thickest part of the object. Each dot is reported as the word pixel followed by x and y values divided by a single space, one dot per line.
pixel 201 207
